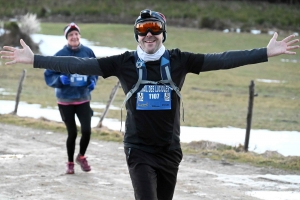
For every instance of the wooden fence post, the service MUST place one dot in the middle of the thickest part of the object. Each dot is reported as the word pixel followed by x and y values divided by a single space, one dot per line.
pixel 111 99
pixel 19 91
pixel 249 115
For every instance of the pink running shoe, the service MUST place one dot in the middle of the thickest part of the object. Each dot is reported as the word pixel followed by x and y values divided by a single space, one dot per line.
pixel 81 160
pixel 70 168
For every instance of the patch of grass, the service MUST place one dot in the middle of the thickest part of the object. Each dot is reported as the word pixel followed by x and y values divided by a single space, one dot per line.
pixel 204 149
pixel 212 99
pixel 233 155
pixel 58 127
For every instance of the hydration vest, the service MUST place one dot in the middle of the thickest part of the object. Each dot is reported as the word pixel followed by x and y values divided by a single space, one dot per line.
pixel 142 77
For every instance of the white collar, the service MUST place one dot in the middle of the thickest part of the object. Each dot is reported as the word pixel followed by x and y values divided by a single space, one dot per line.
pixel 150 57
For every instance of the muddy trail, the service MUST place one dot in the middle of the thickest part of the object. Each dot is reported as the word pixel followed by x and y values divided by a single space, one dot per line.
pixel 32 166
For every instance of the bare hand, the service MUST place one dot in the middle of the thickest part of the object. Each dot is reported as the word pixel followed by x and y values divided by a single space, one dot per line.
pixel 16 55
pixel 284 46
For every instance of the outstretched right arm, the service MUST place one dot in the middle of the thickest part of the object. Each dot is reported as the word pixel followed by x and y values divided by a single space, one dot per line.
pixel 65 64
pixel 68 64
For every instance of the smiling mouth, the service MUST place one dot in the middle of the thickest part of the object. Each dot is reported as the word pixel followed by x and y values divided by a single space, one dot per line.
pixel 149 41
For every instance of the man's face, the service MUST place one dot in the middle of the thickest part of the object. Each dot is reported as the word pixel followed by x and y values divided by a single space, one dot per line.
pixel 73 38
pixel 150 43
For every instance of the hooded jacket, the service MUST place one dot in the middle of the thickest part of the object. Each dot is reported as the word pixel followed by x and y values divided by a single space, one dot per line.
pixel 68 93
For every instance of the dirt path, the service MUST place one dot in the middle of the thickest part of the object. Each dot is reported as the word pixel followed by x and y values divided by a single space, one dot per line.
pixel 32 166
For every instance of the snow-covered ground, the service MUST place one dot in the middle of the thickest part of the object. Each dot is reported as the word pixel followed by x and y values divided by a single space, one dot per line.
pixel 284 142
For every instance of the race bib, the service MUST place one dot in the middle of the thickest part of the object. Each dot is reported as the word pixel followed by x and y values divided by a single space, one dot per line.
pixel 154 97
pixel 78 80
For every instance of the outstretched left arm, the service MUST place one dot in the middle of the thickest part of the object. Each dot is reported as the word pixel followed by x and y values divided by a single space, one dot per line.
pixel 232 59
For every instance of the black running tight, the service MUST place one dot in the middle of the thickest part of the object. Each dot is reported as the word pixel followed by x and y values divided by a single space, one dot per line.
pixel 84 114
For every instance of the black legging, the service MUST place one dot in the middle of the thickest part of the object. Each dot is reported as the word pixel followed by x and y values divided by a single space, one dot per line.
pixel 84 114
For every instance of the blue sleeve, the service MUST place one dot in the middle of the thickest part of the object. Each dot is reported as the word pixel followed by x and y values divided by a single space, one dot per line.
pixel 52 78
pixel 92 54
pixel 92 78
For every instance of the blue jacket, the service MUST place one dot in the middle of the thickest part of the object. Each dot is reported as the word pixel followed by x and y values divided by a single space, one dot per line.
pixel 68 93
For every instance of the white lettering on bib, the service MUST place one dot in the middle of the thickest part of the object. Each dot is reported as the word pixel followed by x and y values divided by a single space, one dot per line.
pixel 154 97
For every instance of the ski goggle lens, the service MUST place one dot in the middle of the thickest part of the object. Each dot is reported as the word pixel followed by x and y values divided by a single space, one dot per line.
pixel 155 27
